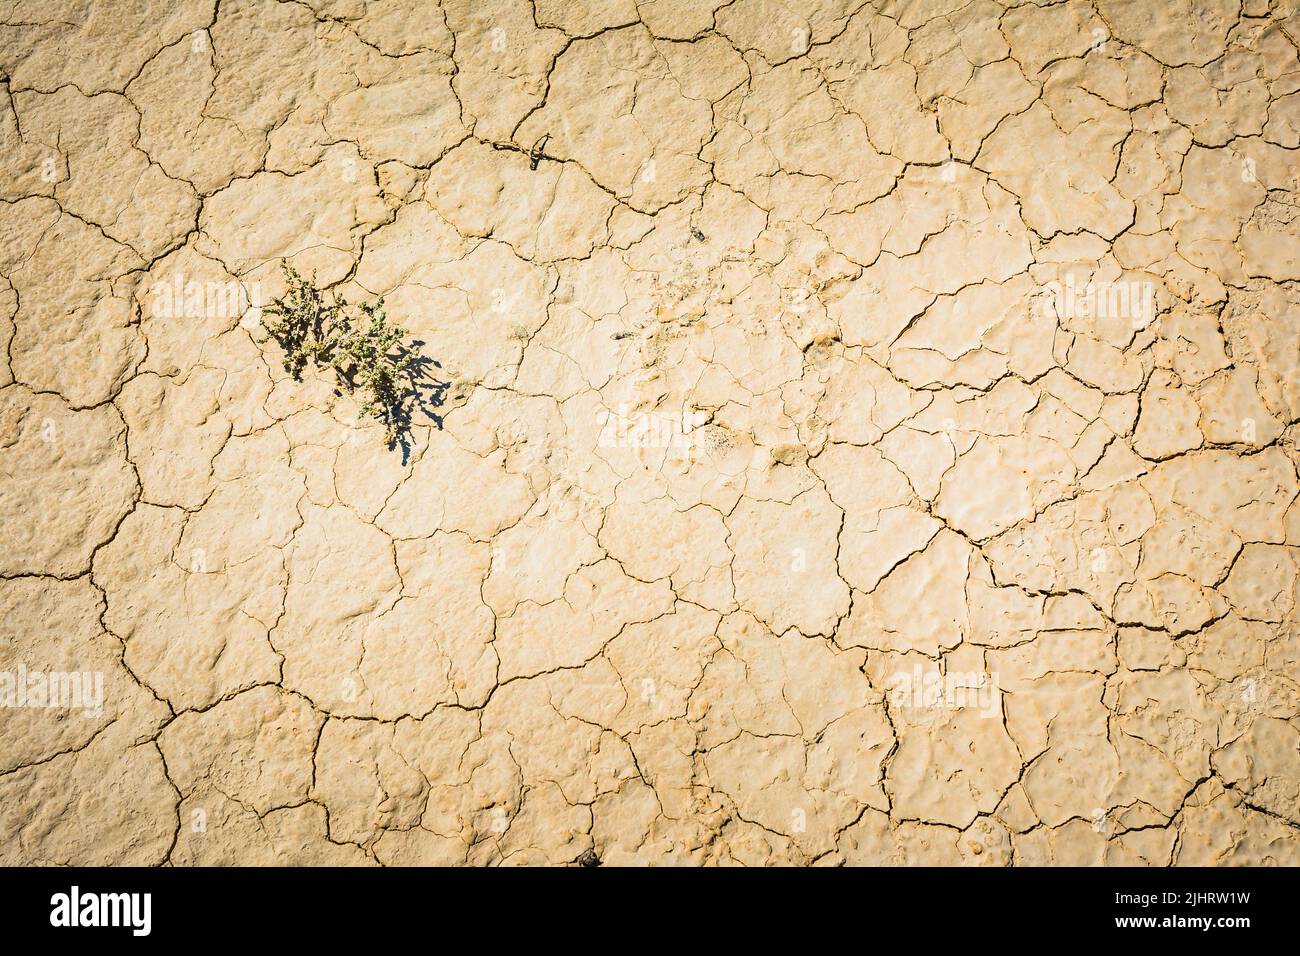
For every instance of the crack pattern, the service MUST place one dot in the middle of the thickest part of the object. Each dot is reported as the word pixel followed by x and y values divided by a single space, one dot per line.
pixel 870 433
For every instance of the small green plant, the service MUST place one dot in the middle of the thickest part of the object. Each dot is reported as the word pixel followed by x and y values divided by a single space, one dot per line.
pixel 365 352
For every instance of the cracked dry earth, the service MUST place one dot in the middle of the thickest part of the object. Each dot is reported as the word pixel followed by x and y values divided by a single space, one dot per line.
pixel 832 353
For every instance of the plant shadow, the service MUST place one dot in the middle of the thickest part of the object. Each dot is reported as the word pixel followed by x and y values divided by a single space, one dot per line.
pixel 422 395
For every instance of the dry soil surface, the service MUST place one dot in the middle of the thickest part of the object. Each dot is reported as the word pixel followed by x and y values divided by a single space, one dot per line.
pixel 869 433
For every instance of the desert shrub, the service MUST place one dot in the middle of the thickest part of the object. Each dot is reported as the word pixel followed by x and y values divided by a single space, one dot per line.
pixel 366 354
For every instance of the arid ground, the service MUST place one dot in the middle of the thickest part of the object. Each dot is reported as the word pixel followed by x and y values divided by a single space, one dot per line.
pixel 861 432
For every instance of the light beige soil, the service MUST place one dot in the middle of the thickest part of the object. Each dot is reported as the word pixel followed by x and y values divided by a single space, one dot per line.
pixel 870 433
